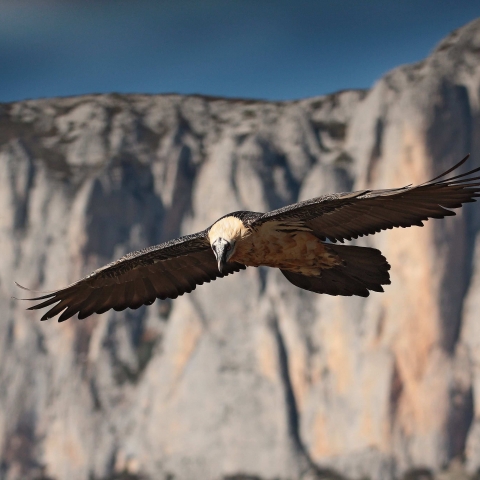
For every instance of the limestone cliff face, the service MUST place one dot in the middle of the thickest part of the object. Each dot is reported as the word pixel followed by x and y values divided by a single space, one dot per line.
pixel 247 377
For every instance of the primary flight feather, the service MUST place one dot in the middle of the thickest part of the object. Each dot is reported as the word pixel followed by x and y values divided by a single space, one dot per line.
pixel 293 239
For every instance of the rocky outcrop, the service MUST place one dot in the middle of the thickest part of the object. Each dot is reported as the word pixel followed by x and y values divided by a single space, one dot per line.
pixel 247 377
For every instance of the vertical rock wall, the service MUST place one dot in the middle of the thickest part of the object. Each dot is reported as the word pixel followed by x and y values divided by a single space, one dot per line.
pixel 247 377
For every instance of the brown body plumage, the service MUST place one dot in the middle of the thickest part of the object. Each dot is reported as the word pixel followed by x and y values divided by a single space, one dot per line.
pixel 293 239
pixel 275 244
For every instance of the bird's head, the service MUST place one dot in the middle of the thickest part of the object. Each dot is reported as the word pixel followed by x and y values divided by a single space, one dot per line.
pixel 223 250
pixel 224 236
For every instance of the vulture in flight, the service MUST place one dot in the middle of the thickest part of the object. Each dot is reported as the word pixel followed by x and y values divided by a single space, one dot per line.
pixel 299 239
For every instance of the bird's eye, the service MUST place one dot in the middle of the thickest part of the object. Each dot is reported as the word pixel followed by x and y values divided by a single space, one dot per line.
pixel 228 247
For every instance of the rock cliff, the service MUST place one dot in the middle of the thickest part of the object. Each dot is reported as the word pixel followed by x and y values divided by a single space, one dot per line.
pixel 247 377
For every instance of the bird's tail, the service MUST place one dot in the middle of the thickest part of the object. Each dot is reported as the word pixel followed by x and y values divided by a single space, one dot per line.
pixel 362 269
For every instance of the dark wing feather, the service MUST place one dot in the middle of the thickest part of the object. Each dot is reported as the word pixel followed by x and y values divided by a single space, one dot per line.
pixel 345 216
pixel 163 271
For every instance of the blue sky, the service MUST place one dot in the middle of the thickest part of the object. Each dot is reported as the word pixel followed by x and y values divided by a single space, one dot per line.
pixel 271 49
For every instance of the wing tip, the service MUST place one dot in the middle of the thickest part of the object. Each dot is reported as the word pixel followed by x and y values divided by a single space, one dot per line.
pixel 33 291
pixel 451 169
pixel 22 287
pixel 41 297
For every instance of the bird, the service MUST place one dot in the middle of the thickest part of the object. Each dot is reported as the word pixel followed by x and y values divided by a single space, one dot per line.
pixel 304 240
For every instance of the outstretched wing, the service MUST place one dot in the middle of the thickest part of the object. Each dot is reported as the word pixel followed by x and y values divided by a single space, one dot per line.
pixel 163 271
pixel 344 216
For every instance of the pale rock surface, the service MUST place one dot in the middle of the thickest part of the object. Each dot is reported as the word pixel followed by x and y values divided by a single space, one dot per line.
pixel 248 377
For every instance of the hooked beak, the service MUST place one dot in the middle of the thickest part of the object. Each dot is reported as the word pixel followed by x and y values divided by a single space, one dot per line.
pixel 221 249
